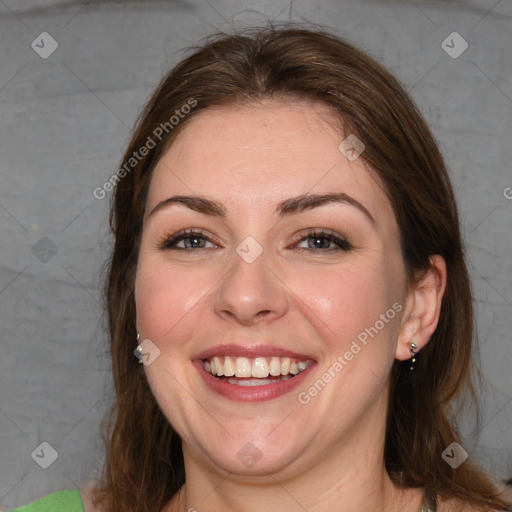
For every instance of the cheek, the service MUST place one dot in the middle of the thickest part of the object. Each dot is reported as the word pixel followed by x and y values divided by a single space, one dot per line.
pixel 168 298
pixel 345 299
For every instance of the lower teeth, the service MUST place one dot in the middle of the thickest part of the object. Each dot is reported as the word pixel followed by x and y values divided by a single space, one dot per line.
pixel 254 382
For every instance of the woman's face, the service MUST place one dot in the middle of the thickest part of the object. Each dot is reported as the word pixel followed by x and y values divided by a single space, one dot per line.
pixel 263 291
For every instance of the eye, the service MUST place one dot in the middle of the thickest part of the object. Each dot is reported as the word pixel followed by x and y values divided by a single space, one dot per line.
pixel 322 241
pixel 192 239
pixel 317 241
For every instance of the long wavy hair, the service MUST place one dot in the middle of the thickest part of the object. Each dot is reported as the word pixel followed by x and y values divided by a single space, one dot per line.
pixel 144 465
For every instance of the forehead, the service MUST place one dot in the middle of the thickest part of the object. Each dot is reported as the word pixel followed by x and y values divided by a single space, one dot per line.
pixel 255 155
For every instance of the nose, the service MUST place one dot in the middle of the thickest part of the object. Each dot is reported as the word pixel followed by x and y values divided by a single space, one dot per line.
pixel 251 292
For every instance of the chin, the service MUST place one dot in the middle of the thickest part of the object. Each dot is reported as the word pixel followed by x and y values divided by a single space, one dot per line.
pixel 247 459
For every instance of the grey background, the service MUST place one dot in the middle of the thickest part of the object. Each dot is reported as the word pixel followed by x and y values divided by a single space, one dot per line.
pixel 64 122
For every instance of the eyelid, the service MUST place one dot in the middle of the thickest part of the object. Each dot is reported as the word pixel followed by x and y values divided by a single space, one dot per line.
pixel 339 240
pixel 169 241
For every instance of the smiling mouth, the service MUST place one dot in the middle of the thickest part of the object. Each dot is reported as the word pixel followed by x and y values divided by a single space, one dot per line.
pixel 258 371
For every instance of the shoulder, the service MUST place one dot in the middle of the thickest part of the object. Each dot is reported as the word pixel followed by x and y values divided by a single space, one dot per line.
pixel 62 501
pixel 88 505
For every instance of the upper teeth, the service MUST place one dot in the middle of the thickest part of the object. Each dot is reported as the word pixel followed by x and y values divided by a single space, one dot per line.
pixel 259 367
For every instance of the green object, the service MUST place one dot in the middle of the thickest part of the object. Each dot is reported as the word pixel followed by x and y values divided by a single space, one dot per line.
pixel 62 501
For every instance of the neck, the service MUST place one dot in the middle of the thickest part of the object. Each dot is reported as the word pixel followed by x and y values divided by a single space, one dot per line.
pixel 351 476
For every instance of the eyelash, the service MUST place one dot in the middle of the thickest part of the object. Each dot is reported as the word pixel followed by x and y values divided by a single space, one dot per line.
pixel 169 243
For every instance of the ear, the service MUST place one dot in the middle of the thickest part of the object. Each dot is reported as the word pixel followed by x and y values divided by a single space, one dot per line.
pixel 423 307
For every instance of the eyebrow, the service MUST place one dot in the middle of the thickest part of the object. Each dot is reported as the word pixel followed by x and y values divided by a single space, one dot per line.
pixel 290 206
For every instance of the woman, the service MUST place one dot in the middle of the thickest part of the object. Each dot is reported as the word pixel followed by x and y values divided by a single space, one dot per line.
pixel 288 267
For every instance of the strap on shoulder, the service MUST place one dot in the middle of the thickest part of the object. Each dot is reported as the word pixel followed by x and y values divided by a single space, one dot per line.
pixel 62 501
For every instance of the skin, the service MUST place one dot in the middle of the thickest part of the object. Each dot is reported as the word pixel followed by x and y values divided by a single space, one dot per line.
pixel 325 455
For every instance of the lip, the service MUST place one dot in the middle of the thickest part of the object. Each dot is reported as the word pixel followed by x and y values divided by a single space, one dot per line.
pixel 251 393
pixel 251 352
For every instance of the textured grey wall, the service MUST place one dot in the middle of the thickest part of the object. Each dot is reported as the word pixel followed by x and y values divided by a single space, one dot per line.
pixel 64 121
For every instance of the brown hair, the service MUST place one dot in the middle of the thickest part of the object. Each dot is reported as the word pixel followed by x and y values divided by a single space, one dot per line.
pixel 144 462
